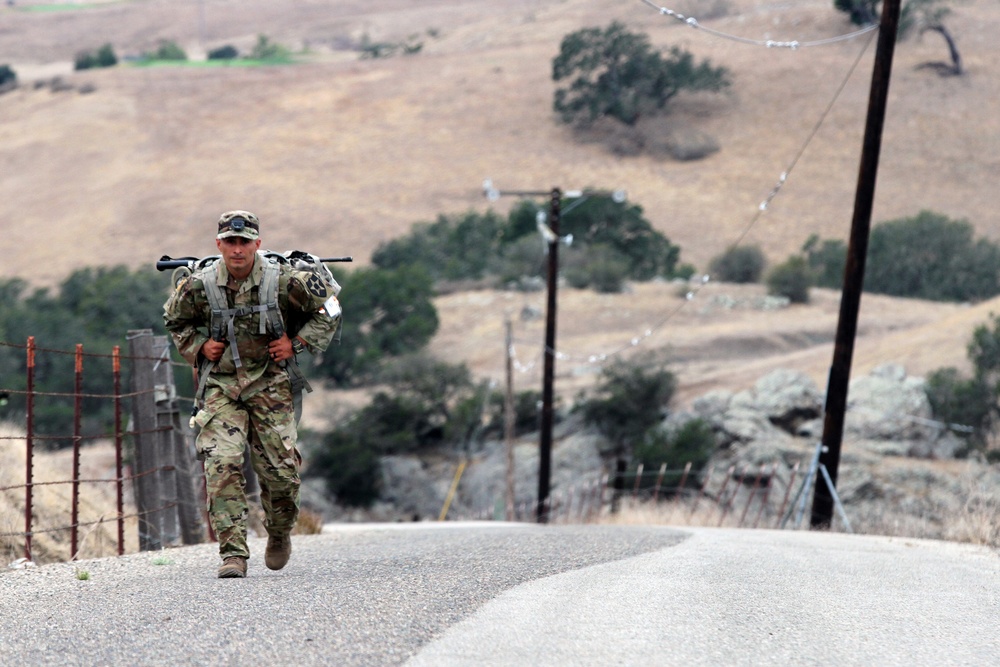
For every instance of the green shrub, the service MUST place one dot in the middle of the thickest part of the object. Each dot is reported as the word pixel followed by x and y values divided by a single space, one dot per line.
pixel 427 404
pixel 475 246
pixel 932 257
pixel 350 466
pixel 790 280
pixel 693 442
pixel 227 52
pixel 391 315
pixel 371 50
pixel 963 401
pixel 7 75
pixel 451 248
pixel 106 56
pixel 631 398
pixel 600 267
pixel 826 260
pixel 103 57
pixel 265 49
pixel 524 258
pixel 738 264
pixel 84 60
pixel 168 50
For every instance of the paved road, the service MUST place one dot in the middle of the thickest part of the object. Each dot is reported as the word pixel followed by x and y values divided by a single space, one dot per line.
pixel 501 594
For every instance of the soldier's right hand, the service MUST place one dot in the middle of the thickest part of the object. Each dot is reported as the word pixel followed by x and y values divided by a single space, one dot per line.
pixel 213 349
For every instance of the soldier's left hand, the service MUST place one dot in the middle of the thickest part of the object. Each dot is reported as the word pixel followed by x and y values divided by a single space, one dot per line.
pixel 280 349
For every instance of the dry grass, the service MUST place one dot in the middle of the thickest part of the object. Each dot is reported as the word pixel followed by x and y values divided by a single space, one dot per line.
pixel 974 522
pixel 52 503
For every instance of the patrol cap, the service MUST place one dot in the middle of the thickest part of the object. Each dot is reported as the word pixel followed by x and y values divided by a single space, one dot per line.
pixel 239 223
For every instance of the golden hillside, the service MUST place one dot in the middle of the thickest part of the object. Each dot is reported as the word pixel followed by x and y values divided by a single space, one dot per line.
pixel 337 154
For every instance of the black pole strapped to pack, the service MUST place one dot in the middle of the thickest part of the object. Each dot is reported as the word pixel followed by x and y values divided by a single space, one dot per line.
pixel 166 262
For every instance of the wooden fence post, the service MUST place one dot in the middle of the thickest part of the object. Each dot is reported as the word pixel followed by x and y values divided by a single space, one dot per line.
pixel 148 498
pixel 178 484
pixel 166 498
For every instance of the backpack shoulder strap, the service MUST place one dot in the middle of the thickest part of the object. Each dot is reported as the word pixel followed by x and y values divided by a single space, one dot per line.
pixel 216 301
pixel 270 312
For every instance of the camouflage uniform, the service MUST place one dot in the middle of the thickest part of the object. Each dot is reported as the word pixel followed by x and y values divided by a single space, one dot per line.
pixel 250 404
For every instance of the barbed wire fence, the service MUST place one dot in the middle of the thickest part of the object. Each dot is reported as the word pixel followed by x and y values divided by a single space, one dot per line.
pixel 166 484
pixel 739 495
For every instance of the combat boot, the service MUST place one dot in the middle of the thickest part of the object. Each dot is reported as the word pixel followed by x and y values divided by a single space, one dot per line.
pixel 233 567
pixel 279 549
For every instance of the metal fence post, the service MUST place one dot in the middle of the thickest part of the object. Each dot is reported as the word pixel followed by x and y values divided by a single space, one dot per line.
pixel 29 438
pixel 116 365
pixel 77 415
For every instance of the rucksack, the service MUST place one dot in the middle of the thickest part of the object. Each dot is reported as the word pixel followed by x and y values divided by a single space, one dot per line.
pixel 272 322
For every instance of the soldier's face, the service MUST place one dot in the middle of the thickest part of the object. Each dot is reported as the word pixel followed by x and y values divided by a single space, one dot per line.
pixel 238 254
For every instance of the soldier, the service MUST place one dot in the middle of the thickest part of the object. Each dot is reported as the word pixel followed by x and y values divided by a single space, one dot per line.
pixel 247 365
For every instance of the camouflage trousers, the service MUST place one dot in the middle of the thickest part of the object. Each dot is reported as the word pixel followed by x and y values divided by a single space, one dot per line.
pixel 266 422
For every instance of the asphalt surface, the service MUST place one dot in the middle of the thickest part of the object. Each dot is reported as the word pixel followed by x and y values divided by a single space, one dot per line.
pixel 503 594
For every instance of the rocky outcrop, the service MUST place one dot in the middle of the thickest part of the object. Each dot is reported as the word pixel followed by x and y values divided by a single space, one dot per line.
pixel 895 460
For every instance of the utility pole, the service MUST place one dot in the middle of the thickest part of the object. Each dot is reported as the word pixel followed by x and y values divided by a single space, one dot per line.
pixel 548 374
pixel 854 270
pixel 550 232
pixel 508 419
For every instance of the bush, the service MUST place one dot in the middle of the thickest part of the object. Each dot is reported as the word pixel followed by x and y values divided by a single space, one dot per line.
pixel 599 266
pixel 630 399
pixel 428 404
pixel 350 466
pixel 451 248
pixel 103 57
pixel 524 258
pixel 391 314
pixel 931 257
pixel 963 401
pixel 693 442
pixel 790 280
pixel 168 50
pixel 265 49
pixel 474 246
pixel 227 52
pixel 862 12
pixel 738 264
pixel 7 76
pixel 409 47
pixel 826 260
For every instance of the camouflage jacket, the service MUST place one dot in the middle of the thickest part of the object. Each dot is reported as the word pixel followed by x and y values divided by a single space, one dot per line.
pixel 187 316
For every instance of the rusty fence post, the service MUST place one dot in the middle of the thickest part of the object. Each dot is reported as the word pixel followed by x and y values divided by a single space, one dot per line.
pixel 29 443
pixel 767 494
pixel 77 416
pixel 116 366
pixel 724 509
pixel 701 492
pixel 659 482
pixel 788 491
pixel 753 492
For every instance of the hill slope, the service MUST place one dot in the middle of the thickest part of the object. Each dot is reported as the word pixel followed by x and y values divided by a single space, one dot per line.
pixel 337 154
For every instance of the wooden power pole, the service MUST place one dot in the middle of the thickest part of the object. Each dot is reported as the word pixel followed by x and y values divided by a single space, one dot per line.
pixel 854 270
pixel 545 440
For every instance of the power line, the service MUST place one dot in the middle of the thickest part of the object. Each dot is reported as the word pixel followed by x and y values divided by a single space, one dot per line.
pixel 766 43
pixel 761 209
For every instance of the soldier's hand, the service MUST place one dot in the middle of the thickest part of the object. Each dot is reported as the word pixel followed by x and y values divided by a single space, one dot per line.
pixel 213 349
pixel 280 348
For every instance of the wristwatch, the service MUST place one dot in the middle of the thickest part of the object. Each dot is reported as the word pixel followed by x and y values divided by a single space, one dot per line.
pixel 297 345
